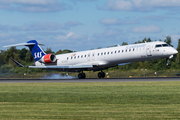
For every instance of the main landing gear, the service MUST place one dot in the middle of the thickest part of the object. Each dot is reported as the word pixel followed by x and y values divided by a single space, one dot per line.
pixel 82 75
pixel 101 74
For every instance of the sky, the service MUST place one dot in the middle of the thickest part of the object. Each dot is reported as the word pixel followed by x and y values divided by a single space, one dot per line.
pixel 87 24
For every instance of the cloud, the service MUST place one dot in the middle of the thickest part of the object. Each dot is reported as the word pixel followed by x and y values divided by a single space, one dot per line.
pixel 48 26
pixel 158 17
pixel 83 0
pixel 32 2
pixel 175 37
pixel 71 36
pixel 119 5
pixel 111 33
pixel 116 22
pixel 140 5
pixel 71 40
pixel 4 35
pixel 67 36
pixel 33 5
pixel 73 23
pixel 145 29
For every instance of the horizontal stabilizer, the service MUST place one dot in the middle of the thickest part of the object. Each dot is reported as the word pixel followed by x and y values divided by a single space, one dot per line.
pixel 20 44
pixel 17 63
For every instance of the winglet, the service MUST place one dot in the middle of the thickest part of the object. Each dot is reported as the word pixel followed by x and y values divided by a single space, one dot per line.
pixel 20 65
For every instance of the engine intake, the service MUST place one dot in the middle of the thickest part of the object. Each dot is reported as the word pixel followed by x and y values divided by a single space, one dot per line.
pixel 48 58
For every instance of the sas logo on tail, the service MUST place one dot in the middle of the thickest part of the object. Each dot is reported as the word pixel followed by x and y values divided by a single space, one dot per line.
pixel 37 55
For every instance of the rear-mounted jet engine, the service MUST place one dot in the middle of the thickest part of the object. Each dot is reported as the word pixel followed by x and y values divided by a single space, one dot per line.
pixel 48 58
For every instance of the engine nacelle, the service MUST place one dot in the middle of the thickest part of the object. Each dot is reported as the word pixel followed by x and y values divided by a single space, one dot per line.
pixel 48 58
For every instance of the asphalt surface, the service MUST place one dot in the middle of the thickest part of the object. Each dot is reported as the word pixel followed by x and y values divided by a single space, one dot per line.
pixel 89 80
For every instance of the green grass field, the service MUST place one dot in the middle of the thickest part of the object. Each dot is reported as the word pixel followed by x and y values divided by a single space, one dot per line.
pixel 122 100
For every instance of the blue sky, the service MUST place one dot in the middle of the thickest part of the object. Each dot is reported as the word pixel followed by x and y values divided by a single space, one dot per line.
pixel 87 24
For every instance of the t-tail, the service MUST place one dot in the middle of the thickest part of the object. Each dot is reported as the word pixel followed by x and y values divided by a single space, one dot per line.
pixel 37 52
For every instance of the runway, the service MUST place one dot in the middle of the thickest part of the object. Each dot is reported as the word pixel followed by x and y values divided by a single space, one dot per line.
pixel 90 80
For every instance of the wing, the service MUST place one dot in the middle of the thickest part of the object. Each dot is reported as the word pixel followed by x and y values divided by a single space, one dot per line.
pixel 68 66
pixel 54 67
pixel 75 68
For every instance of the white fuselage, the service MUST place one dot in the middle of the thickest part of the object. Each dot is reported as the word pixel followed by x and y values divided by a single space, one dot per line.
pixel 108 57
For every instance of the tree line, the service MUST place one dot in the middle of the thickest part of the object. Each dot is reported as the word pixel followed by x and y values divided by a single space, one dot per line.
pixel 25 57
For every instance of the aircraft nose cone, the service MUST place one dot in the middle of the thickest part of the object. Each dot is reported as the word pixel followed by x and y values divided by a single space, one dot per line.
pixel 175 51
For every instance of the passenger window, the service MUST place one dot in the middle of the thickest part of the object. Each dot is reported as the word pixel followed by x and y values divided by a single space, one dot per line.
pixel 98 54
pixel 122 51
pixel 108 53
pixel 78 56
pixel 111 52
pixel 84 55
pixel 71 57
pixel 93 54
pixel 133 49
pixel 126 50
pixel 104 53
pixel 67 58
pixel 74 57
pixel 119 51
pixel 101 53
pixel 115 52
pixel 81 56
pixel 129 50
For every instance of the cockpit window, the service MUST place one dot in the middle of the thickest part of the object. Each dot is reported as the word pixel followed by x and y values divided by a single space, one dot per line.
pixel 165 45
pixel 158 45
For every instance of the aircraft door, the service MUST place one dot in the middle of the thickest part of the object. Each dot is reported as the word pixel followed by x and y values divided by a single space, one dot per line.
pixel 148 50
pixel 93 56
pixel 89 56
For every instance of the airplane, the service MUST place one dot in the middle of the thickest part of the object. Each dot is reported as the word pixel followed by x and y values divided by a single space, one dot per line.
pixel 99 59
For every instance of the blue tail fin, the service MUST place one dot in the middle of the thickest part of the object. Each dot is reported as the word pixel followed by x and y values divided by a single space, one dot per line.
pixel 34 47
pixel 36 50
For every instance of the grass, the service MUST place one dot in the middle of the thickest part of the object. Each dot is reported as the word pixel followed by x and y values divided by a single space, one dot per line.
pixel 90 74
pixel 122 100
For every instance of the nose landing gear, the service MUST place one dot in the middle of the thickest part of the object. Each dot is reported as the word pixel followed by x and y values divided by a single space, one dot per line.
pixel 168 63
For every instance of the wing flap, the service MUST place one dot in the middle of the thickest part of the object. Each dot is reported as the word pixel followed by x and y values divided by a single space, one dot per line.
pixel 56 67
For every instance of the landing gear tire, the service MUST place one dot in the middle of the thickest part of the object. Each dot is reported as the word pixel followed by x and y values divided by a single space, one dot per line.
pixel 168 64
pixel 101 75
pixel 81 75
